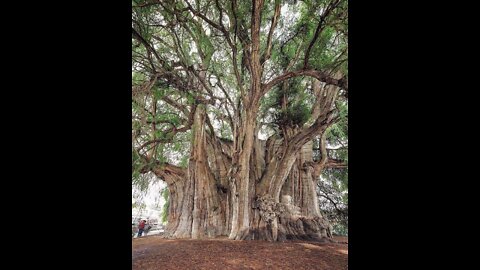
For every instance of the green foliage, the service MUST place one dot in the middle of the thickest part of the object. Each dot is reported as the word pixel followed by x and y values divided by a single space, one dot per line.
pixel 140 181
pixel 204 43
pixel 158 93
pixel 139 205
pixel 184 161
pixel 290 104
pixel 335 180
pixel 337 134
pixel 137 163
pixel 176 152
pixel 294 115
pixel 338 178
pixel 340 229
pixel 225 131
pixel 333 200
pixel 190 98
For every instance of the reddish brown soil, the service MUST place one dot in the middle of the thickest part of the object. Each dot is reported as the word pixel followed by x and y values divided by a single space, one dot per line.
pixel 153 252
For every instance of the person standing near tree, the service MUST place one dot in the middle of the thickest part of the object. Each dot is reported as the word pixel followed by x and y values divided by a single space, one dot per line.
pixel 147 227
pixel 141 227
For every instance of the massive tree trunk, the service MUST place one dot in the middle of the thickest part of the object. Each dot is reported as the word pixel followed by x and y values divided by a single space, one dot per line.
pixel 204 204
pixel 197 202
pixel 249 188
pixel 286 201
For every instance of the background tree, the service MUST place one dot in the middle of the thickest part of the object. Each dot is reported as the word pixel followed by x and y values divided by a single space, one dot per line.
pixel 228 100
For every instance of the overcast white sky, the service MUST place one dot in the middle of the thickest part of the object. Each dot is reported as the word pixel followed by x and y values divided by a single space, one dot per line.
pixel 153 200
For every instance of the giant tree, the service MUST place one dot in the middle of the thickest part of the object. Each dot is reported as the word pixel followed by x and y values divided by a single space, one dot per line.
pixel 229 100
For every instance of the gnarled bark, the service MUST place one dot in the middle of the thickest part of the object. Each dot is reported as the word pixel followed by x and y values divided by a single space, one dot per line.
pixel 249 188
pixel 201 201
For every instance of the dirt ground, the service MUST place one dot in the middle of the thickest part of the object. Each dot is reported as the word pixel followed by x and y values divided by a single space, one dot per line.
pixel 154 252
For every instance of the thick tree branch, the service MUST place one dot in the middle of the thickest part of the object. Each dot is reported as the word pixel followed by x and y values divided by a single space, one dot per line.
pixel 335 164
pixel 144 88
pixel 170 133
pixel 319 165
pixel 154 126
pixel 205 18
pixel 146 4
pixel 220 11
pixel 325 97
pixel 255 67
pixel 268 52
pixel 320 125
pixel 175 104
pixel 321 76
pixel 169 172
pixel 164 170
